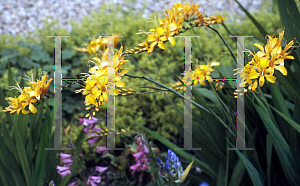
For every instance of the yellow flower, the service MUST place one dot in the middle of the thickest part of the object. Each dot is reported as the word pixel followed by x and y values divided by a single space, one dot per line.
pixel 273 51
pixel 156 37
pixel 41 87
pixel 96 88
pixel 203 72
pixel 168 27
pixel 248 74
pixel 189 10
pixel 16 105
pixel 264 62
pixel 214 19
pixel 28 96
pixel 98 44
pixel 172 23
pixel 253 86
pixel 264 71
pixel 200 74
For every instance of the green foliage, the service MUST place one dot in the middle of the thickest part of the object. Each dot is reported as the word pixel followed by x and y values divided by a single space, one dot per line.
pixel 24 160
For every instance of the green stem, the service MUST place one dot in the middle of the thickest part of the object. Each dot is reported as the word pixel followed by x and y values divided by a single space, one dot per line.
pixel 223 42
pixel 181 96
pixel 226 28
pixel 136 64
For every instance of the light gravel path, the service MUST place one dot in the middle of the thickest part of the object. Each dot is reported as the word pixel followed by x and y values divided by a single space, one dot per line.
pixel 20 16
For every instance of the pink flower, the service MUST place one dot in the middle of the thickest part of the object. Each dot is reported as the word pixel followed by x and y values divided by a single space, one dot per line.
pixel 93 180
pixel 138 140
pixel 144 160
pixel 135 167
pixel 139 147
pixel 144 167
pixel 90 125
pixel 67 160
pixel 146 150
pixel 72 184
pixel 81 155
pixel 101 169
pixel 64 156
pixel 92 141
pixel 86 121
pixel 102 149
pixel 141 155
pixel 66 169
pixel 68 165
pixel 138 155
pixel 63 171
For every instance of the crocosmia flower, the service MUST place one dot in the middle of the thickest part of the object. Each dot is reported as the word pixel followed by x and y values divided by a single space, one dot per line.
pixel 172 169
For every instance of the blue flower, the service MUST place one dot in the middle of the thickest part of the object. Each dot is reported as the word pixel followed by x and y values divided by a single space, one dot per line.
pixel 172 169
pixel 159 162
pixel 167 165
pixel 203 184
pixel 51 183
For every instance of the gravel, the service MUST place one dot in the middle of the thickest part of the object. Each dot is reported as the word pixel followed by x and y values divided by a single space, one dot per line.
pixel 21 16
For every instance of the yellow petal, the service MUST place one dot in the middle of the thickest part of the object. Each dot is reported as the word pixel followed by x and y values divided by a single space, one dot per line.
pixel 261 81
pixel 254 86
pixel 151 38
pixel 18 111
pixel 162 45
pixel 288 46
pixel 172 40
pixel 153 44
pixel 116 92
pixel 152 30
pixel 123 72
pixel 209 78
pixel 276 50
pixel 279 61
pixel 271 78
pixel 34 94
pixel 260 54
pixel 150 49
pixel 25 111
pixel 32 108
pixel 195 82
pixel 120 84
pixel 259 46
pixel 163 39
pixel 253 74
pixel 105 97
pixel 202 82
pixel 289 57
pixel 186 172
pixel 264 63
pixel 273 42
pixel 90 99
pixel 282 69
pixel 173 26
pixel 160 31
